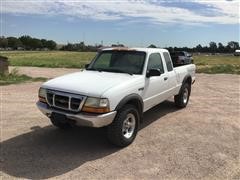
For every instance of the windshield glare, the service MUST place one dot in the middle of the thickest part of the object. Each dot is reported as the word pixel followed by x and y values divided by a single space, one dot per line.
pixel 130 62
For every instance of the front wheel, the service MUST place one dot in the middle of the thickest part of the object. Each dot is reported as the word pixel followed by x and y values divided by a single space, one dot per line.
pixel 123 129
pixel 181 100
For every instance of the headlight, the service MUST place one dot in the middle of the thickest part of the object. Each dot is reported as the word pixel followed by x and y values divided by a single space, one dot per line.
pixel 42 95
pixel 96 105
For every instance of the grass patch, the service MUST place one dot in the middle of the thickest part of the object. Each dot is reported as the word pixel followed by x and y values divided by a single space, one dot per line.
pixel 15 78
pixel 61 59
pixel 68 59
pixel 203 60
pixel 217 64
pixel 219 69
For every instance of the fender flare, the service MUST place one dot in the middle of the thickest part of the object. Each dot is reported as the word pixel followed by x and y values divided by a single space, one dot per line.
pixel 186 79
pixel 134 99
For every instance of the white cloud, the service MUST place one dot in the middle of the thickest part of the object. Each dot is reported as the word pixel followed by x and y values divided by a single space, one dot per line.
pixel 227 11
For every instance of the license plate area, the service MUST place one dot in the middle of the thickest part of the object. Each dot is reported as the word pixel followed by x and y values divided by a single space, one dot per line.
pixel 59 117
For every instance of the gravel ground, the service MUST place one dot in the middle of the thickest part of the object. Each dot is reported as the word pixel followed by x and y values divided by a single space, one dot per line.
pixel 200 141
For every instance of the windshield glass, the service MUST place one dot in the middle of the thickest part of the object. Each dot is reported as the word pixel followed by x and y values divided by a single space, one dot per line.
pixel 130 62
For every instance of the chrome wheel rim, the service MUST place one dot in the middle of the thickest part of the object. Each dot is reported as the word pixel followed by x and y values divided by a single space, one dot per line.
pixel 129 126
pixel 185 96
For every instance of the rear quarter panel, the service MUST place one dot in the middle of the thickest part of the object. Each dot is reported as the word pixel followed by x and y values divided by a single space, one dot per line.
pixel 182 72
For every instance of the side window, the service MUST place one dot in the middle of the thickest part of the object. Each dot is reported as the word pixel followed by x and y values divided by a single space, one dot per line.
pixel 168 61
pixel 155 62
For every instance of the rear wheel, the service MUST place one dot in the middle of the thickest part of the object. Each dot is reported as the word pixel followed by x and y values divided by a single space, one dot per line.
pixel 181 100
pixel 123 129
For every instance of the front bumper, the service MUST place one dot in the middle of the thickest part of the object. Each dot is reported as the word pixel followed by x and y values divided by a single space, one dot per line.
pixel 81 119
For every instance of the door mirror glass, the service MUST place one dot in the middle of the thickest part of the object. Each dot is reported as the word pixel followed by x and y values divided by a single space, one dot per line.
pixel 153 72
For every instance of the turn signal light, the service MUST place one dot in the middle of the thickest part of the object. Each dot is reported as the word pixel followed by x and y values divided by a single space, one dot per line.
pixel 98 110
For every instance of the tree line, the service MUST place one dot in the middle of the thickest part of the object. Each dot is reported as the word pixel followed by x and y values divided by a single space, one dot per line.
pixel 213 47
pixel 87 48
pixel 29 43
pixel 26 43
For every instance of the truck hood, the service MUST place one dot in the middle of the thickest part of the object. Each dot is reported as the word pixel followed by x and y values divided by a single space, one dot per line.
pixel 89 83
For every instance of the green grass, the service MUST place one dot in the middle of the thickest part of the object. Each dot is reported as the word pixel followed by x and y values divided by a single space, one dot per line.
pixel 217 64
pixel 49 58
pixel 15 78
pixel 220 69
pixel 205 64
pixel 203 60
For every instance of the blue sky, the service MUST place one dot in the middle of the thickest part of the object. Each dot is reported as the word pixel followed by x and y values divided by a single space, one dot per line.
pixel 133 23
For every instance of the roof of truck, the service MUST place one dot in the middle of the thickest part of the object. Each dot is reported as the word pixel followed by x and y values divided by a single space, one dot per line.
pixel 147 50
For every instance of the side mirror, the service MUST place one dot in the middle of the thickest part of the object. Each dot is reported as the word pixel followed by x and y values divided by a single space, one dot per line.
pixel 86 66
pixel 189 55
pixel 153 72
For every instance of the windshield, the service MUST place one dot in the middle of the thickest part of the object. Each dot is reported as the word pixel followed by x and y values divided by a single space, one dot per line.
pixel 130 62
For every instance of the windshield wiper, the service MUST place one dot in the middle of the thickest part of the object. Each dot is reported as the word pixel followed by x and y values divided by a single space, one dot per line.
pixel 109 70
pixel 117 71
pixel 94 69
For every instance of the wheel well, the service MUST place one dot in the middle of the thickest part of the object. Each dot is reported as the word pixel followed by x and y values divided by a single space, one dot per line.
pixel 188 80
pixel 139 105
pixel 136 103
pixel 134 100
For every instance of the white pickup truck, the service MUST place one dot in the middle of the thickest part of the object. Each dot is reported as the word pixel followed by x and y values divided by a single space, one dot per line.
pixel 115 89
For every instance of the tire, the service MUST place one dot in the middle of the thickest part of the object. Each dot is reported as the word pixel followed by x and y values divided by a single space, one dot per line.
pixel 60 124
pixel 181 100
pixel 124 128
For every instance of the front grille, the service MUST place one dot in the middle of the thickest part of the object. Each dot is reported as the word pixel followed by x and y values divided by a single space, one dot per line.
pixel 65 101
pixel 62 101
pixel 75 103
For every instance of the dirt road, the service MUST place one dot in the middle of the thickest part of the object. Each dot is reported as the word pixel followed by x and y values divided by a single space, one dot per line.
pixel 201 141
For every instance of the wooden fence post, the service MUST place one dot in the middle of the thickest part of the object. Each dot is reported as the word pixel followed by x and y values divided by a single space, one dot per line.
pixel 4 65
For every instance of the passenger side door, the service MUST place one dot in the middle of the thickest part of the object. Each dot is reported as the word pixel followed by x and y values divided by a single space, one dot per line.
pixel 156 86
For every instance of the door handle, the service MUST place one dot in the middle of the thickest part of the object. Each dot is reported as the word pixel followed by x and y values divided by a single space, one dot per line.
pixel 165 78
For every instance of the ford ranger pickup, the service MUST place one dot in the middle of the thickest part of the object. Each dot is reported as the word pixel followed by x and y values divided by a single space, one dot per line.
pixel 114 91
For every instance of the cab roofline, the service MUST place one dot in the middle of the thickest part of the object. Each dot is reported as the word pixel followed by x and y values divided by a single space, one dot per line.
pixel 147 50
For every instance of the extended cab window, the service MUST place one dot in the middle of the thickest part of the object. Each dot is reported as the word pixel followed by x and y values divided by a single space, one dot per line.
pixel 155 62
pixel 168 61
pixel 130 62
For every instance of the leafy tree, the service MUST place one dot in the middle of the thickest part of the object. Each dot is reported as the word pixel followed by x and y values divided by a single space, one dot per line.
pixel 221 48
pixel 44 43
pixel 26 41
pixel 233 45
pixel 14 42
pixel 35 43
pixel 199 48
pixel 3 42
pixel 51 44
pixel 212 47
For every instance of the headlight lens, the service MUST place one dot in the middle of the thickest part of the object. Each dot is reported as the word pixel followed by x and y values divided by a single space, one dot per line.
pixel 96 105
pixel 42 94
pixel 96 102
